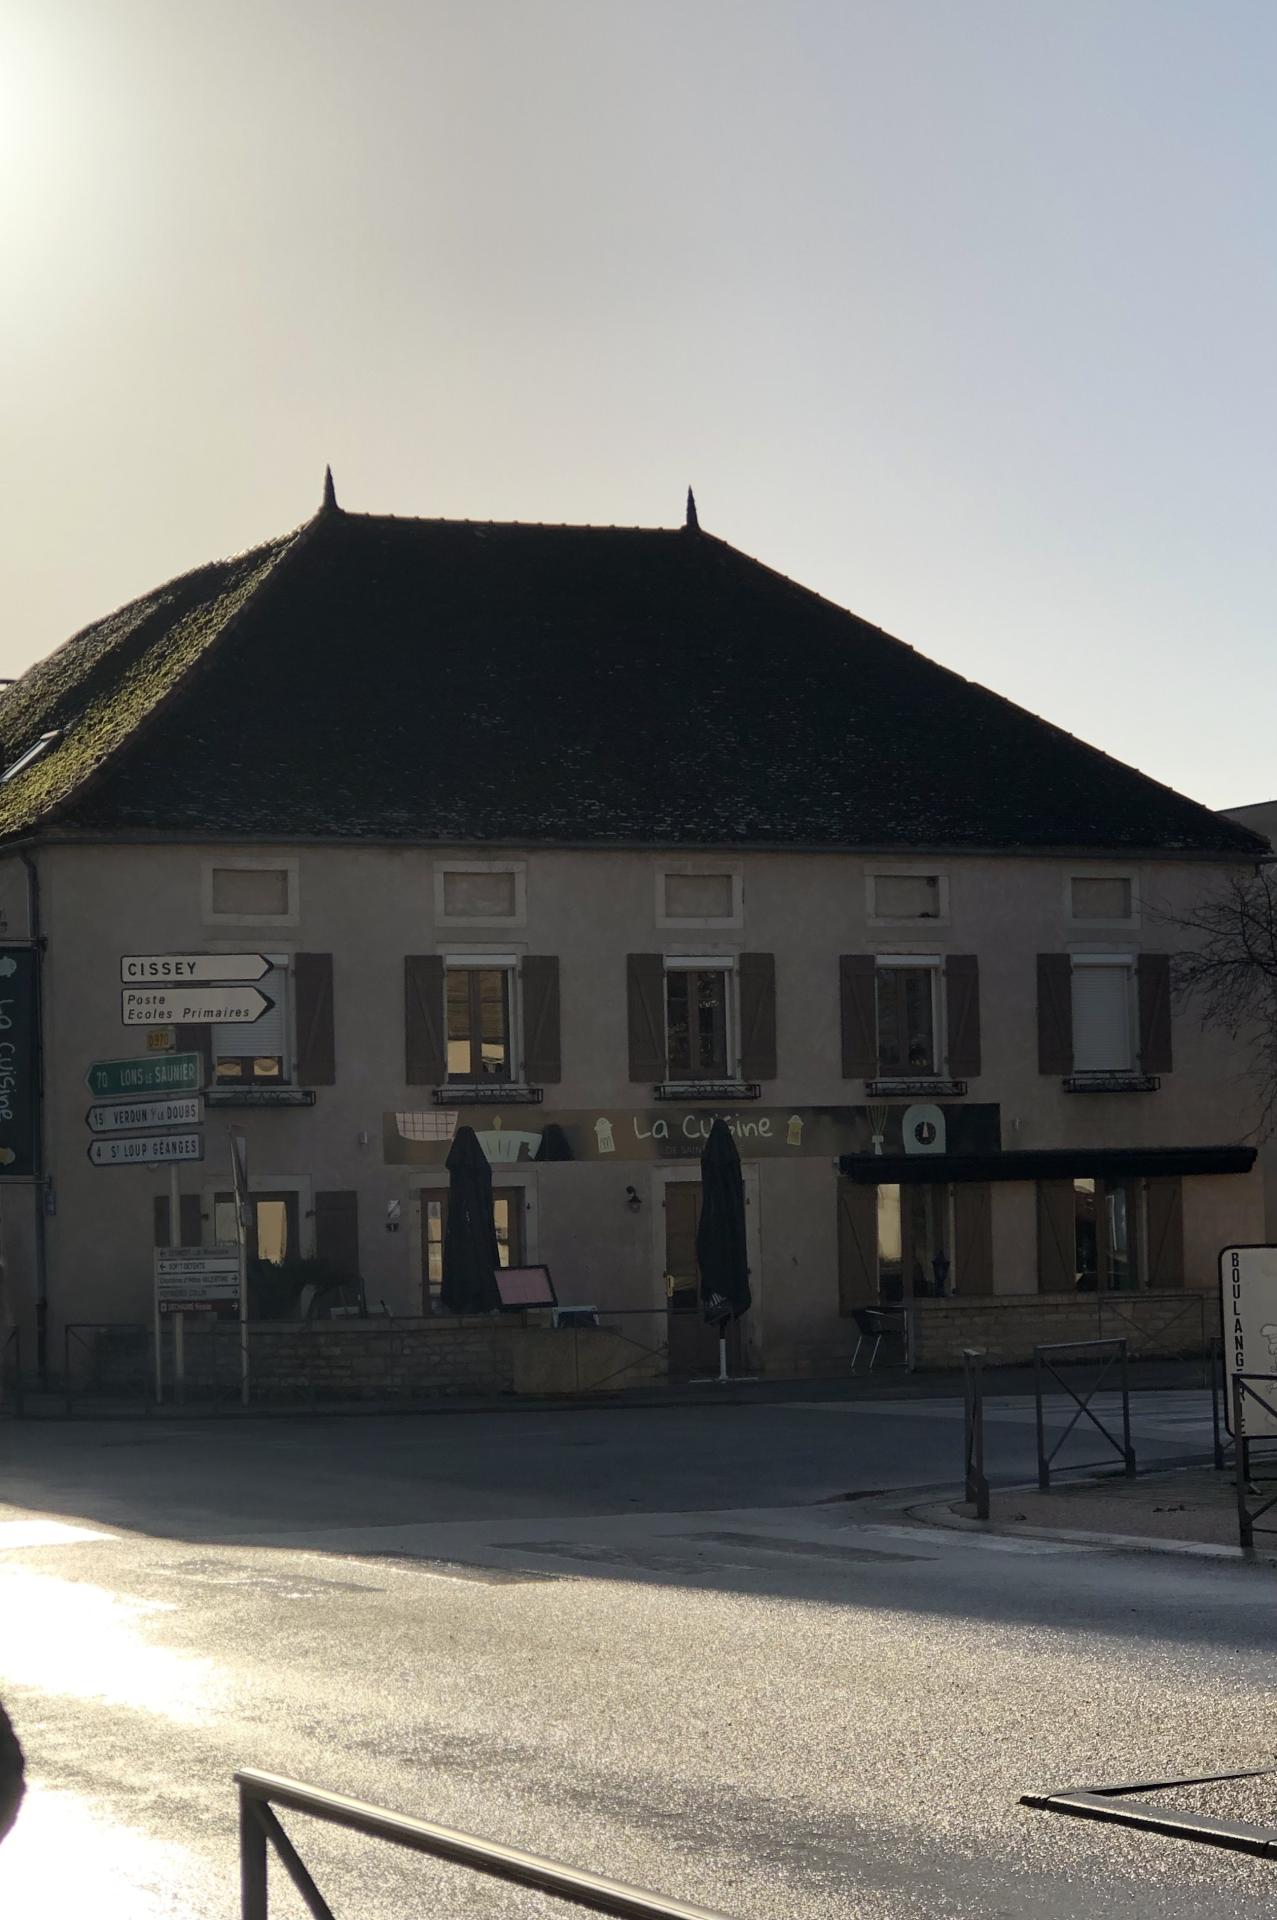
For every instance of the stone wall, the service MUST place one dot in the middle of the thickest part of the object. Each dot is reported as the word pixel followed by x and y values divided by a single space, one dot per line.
pixel 1007 1328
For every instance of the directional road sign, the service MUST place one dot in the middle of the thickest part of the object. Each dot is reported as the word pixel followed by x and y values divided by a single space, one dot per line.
pixel 195 1279
pixel 146 1150
pixel 192 1006
pixel 171 1073
pixel 158 969
pixel 126 1116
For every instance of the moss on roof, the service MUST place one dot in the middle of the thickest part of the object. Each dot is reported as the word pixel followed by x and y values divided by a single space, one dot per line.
pixel 101 687
pixel 459 682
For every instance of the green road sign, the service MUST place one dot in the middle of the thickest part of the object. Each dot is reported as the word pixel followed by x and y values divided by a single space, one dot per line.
pixel 154 1073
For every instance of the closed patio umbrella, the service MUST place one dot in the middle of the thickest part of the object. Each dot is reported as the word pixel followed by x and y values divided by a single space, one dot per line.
pixel 470 1253
pixel 721 1252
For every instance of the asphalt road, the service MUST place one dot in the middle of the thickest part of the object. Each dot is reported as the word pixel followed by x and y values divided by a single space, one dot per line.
pixel 656 1643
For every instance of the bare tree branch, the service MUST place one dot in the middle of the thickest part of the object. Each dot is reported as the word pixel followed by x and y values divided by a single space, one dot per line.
pixel 1228 969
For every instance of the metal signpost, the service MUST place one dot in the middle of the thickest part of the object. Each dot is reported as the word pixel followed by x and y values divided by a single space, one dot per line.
pixel 1248 1304
pixel 192 1006
pixel 164 969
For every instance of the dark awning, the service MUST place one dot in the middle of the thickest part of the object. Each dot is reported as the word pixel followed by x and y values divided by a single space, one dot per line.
pixel 1043 1163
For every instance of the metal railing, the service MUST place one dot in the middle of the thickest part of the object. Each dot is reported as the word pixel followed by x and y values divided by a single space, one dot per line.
pixel 1127 1316
pixel 1246 1389
pixel 1221 1442
pixel 1116 1350
pixel 977 1486
pixel 73 1340
pixel 11 1358
pixel 260 1831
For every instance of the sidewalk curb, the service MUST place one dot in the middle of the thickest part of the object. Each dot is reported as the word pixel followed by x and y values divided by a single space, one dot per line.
pixel 940 1514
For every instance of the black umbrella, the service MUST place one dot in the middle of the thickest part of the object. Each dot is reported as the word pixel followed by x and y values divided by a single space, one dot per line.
pixel 470 1253
pixel 721 1253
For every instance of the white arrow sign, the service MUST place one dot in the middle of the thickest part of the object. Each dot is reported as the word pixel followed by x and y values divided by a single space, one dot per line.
pixel 136 968
pixel 192 1006
pixel 126 1116
pixel 146 1151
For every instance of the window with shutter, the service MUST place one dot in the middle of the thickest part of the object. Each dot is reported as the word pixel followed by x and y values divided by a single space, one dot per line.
pixel 1102 1036
pixel 906 1005
pixel 962 992
pixel 1165 1200
pixel 257 1052
pixel 645 1005
pixel 313 984
pixel 1153 973
pixel 541 1047
pixel 1057 1260
pixel 756 978
pixel 859 1016
pixel 1055 1013
pixel 425 1062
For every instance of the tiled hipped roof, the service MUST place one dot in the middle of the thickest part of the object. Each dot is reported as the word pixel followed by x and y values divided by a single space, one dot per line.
pixel 451 681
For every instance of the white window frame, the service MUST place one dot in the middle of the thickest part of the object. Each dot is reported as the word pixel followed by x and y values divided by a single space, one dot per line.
pixel 261 864
pixel 299 1184
pixel 517 868
pixel 289 1076
pixel 1101 873
pixel 509 963
pixel 877 919
pixel 705 963
pixel 939 1032
pixel 1128 962
pixel 715 869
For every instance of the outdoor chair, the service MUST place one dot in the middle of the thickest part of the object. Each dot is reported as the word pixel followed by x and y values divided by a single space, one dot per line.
pixel 874 1326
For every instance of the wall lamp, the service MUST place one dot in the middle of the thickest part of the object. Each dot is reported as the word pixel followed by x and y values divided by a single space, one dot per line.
pixel 632 1200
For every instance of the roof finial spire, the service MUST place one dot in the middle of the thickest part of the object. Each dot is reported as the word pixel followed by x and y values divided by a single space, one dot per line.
pixel 693 524
pixel 329 503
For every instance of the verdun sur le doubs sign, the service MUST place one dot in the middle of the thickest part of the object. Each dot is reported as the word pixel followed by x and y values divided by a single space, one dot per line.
pixel 17 1062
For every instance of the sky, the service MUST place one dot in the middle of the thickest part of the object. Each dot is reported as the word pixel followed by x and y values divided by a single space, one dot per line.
pixel 961 312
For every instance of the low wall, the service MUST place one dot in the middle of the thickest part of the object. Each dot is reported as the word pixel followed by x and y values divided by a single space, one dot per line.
pixel 312 1362
pixel 1007 1327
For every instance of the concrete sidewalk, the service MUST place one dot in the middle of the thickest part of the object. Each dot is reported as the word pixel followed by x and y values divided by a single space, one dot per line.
pixel 1190 1507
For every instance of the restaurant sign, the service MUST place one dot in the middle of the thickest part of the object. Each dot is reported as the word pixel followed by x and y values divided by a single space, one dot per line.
pixel 673 1132
pixel 17 1062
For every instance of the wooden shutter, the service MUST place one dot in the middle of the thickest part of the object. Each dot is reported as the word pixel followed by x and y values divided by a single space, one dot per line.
pixel 1055 1013
pixel 757 977
pixel 857 1246
pixel 1154 975
pixel 1057 1237
pixel 973 1236
pixel 197 1040
pixel 337 1231
pixel 541 1064
pixel 962 990
pixel 859 1016
pixel 425 1057
pixel 645 994
pixel 190 1220
pixel 1165 1233
pixel 313 988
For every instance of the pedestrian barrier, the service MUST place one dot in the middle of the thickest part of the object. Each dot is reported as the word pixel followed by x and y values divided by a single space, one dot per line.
pixel 260 1830
pixel 1114 1350
pixel 977 1486
pixel 1246 1388
pixel 120 1357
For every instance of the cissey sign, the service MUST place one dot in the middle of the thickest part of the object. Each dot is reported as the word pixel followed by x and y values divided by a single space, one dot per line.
pixel 17 1062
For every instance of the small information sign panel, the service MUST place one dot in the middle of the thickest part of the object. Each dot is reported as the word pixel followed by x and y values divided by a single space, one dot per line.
pixel 146 1150
pixel 168 969
pixel 196 1279
pixel 166 1073
pixel 127 1116
pixel 192 1006
pixel 1248 1303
